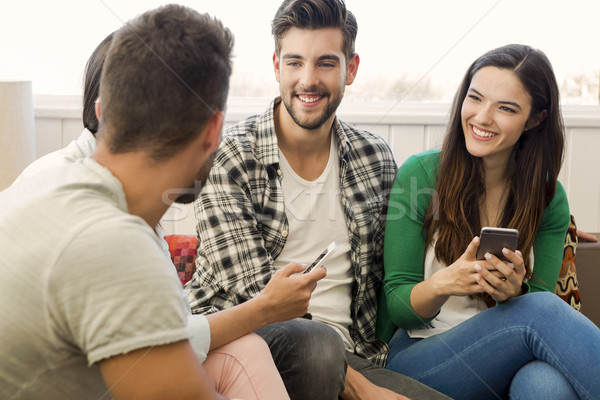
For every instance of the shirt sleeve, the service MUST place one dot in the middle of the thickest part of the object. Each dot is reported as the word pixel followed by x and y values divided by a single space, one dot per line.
pixel 233 264
pixel 549 243
pixel 404 245
pixel 113 290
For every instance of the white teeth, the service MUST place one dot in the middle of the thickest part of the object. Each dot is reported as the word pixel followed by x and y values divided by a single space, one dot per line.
pixel 308 99
pixel 482 133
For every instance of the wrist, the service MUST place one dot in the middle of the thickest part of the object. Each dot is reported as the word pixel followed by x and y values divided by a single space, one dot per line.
pixel 260 310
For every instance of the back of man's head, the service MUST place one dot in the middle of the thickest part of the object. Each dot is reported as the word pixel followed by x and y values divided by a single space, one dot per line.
pixel 315 14
pixel 166 73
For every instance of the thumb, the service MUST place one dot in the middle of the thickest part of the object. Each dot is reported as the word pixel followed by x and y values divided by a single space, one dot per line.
pixel 292 268
pixel 471 252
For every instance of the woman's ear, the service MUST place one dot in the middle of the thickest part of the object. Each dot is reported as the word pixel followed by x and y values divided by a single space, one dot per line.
pixel 535 120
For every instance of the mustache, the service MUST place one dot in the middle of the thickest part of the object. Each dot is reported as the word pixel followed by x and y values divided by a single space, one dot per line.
pixel 319 91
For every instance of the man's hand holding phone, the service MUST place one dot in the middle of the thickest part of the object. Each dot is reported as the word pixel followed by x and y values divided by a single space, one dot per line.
pixel 288 293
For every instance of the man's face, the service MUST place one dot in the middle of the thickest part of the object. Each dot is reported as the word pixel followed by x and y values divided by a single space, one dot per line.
pixel 193 191
pixel 312 72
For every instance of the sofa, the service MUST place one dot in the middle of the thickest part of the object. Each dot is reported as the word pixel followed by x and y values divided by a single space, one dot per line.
pixel 584 255
pixel 588 273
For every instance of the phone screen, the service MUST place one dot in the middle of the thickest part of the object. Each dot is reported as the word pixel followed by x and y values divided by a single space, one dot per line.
pixel 321 258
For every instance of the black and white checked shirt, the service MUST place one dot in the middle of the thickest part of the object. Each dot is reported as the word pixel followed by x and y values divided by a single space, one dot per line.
pixel 242 225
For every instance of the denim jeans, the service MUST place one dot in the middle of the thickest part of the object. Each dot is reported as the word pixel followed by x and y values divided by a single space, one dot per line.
pixel 479 358
pixel 312 360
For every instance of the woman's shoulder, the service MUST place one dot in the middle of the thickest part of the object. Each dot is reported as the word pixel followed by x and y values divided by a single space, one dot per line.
pixel 559 201
pixel 425 163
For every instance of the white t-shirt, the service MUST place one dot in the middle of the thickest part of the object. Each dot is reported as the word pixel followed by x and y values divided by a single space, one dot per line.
pixel 82 280
pixel 80 148
pixel 455 310
pixel 316 218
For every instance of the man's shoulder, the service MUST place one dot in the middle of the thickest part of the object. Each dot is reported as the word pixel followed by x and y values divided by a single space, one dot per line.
pixel 364 137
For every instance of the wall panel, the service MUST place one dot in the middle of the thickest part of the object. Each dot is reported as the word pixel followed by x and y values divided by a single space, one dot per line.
pixel 408 128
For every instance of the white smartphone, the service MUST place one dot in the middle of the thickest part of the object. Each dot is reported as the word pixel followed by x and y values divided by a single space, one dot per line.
pixel 493 240
pixel 322 257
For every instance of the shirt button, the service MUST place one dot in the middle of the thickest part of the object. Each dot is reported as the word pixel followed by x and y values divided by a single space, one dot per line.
pixel 279 172
pixel 284 233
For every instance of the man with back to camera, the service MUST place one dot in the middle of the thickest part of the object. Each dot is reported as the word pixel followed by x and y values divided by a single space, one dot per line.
pixel 75 238
pixel 284 185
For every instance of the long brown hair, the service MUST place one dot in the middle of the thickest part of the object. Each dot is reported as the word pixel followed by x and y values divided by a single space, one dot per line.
pixel 533 167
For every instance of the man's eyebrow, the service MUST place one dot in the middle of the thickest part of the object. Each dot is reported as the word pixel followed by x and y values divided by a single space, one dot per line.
pixel 329 57
pixel 510 103
pixel 292 57
pixel 325 57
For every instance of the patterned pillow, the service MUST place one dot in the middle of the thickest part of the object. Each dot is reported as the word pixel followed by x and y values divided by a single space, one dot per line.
pixel 183 254
pixel 567 287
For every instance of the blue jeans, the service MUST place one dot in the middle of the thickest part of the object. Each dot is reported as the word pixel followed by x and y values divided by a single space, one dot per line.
pixel 312 361
pixel 479 358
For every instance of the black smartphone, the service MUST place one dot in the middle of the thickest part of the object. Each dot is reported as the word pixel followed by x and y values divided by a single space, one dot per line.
pixel 493 240
pixel 322 257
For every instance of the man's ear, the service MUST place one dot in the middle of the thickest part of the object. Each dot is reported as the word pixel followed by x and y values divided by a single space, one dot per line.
pixel 276 65
pixel 535 120
pixel 97 108
pixel 352 69
pixel 212 132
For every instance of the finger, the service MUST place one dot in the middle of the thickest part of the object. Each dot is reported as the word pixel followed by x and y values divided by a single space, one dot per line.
pixel 505 268
pixel 516 260
pixel 471 250
pixel 513 256
pixel 492 278
pixel 317 274
pixel 489 289
pixel 292 268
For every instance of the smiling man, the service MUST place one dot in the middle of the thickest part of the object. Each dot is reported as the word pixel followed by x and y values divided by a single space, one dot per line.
pixel 284 185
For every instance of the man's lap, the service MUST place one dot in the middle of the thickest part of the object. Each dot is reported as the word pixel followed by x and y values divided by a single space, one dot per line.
pixel 312 360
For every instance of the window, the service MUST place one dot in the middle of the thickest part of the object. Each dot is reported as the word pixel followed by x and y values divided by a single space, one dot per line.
pixel 410 51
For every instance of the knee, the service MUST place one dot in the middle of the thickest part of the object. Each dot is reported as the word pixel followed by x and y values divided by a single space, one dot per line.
pixel 305 345
pixel 548 382
pixel 544 302
pixel 250 346
pixel 319 345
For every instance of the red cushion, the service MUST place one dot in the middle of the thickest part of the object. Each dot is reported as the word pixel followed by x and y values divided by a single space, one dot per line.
pixel 183 254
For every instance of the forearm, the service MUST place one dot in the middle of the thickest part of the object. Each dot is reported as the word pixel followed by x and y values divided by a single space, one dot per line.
pixel 233 323
pixel 426 299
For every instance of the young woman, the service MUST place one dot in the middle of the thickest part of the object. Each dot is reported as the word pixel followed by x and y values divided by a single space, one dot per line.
pixel 468 327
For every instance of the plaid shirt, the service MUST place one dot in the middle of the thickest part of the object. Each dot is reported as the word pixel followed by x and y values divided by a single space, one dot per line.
pixel 242 225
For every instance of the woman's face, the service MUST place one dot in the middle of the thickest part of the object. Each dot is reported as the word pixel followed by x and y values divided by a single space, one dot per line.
pixel 494 114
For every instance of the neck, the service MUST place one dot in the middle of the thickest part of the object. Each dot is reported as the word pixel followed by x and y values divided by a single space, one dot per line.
pixel 496 188
pixel 143 183
pixel 307 150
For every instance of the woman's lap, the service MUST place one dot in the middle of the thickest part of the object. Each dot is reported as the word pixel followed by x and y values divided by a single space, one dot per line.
pixel 478 358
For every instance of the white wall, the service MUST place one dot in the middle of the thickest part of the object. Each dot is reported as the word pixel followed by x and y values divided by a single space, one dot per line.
pixel 408 128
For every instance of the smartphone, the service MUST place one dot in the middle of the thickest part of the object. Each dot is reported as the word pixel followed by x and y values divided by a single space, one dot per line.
pixel 322 257
pixel 493 240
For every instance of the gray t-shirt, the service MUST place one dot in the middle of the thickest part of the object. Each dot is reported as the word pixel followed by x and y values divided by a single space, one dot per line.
pixel 82 280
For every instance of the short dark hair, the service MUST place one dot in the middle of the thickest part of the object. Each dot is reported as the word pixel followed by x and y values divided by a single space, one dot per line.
pixel 315 14
pixel 166 74
pixel 91 83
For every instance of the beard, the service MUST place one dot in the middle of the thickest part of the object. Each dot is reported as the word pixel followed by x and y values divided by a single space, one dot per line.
pixel 190 194
pixel 333 100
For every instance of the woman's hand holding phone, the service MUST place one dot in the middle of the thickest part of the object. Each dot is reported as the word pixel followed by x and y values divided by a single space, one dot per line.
pixel 502 280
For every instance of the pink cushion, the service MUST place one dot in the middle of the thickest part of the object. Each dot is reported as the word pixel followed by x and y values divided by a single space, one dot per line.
pixel 183 254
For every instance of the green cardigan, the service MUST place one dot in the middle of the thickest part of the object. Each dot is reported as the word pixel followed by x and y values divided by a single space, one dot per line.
pixel 404 246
